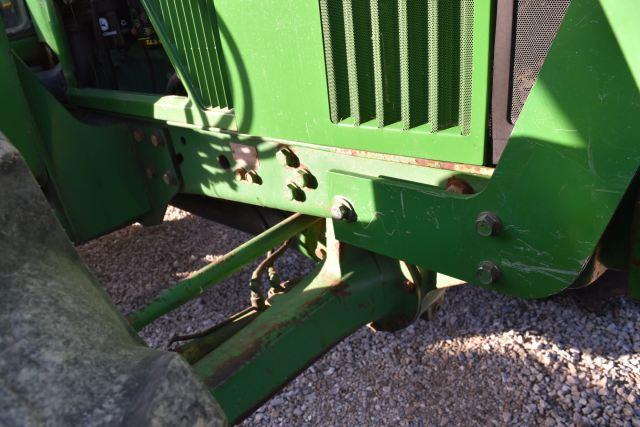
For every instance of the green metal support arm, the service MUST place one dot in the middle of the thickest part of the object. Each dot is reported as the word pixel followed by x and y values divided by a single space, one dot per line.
pixel 352 288
pixel 210 275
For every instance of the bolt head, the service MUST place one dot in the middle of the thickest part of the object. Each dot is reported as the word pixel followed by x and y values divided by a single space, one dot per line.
pixel 341 211
pixel 287 157
pixel 157 140
pixel 488 224
pixel 138 135
pixel 488 273
pixel 169 178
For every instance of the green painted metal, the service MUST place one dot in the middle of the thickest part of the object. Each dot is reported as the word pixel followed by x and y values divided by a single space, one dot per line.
pixel 188 32
pixel 174 110
pixel 16 118
pixel 564 172
pixel 156 158
pixel 279 79
pixel 203 174
pixel 95 175
pixel 351 288
pixel 270 105
pixel 101 187
pixel 191 27
pixel 212 274
pixel 361 120
pixel 28 47
pixel 199 347
pixel 48 26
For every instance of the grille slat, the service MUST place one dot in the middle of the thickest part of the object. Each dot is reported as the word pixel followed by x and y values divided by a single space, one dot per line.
pixel 192 30
pixel 388 73
pixel 333 36
pixel 409 63
pixel 359 60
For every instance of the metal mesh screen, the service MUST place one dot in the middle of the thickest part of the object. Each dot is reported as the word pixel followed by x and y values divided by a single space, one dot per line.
pixel 536 26
pixel 399 61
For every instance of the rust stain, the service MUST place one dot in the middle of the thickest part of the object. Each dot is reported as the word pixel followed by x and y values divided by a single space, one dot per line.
pixel 435 164
pixel 458 185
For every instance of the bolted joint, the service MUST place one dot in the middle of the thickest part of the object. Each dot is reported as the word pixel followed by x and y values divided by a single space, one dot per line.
pixel 343 211
pixel 488 224
pixel 488 273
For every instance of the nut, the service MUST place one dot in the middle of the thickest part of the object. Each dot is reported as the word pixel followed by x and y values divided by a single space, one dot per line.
pixel 343 211
pixel 138 135
pixel 488 273
pixel 488 224
pixel 169 178
pixel 157 140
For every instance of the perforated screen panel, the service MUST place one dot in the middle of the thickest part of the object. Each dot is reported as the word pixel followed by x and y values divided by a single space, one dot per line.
pixel 400 61
pixel 536 26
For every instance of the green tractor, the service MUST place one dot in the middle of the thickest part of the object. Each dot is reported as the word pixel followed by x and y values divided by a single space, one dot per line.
pixel 403 145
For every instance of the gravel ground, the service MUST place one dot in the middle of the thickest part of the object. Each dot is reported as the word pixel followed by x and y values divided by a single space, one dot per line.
pixel 485 359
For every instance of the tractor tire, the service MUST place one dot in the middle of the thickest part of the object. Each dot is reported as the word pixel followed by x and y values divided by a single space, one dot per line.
pixel 68 356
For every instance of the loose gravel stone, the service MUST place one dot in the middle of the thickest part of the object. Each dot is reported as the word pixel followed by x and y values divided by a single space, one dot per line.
pixel 485 359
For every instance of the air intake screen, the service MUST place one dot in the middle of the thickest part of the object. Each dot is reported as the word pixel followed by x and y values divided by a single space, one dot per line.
pixel 537 22
pixel 399 61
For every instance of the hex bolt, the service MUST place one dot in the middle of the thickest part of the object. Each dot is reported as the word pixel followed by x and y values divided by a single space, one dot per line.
pixel 169 178
pixel 287 157
pixel 138 135
pixel 296 193
pixel 343 211
pixel 157 140
pixel 240 174
pixel 488 273
pixel 488 224
pixel 305 179
pixel 253 178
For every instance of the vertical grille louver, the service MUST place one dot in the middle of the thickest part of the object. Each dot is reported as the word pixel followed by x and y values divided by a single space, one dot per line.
pixel 399 61
pixel 191 26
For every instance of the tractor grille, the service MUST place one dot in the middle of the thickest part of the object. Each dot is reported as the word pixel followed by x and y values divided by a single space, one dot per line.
pixel 537 22
pixel 399 61
pixel 192 28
